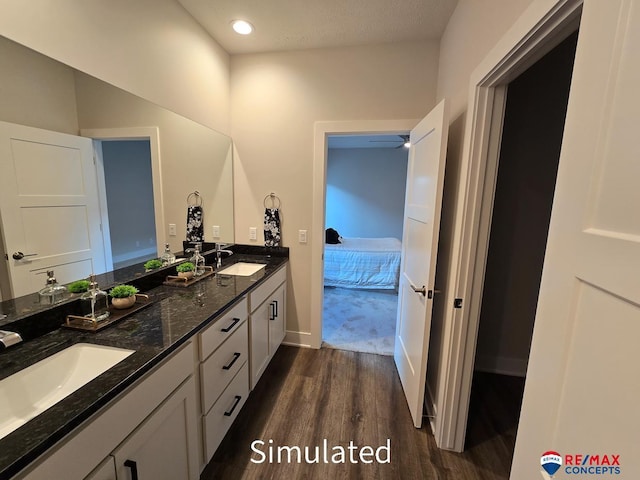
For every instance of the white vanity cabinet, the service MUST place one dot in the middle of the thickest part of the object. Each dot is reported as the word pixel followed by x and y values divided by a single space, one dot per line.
pixel 105 471
pixel 163 445
pixel 152 423
pixel 224 374
pixel 267 322
pixel 168 424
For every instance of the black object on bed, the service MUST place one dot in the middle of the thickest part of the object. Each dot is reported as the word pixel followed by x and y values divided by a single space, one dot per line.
pixel 332 236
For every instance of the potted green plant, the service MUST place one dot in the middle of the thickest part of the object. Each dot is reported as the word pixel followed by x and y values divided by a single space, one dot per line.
pixel 79 286
pixel 152 264
pixel 123 296
pixel 185 270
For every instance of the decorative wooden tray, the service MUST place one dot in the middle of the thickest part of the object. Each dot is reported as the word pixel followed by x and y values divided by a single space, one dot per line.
pixel 176 281
pixel 85 324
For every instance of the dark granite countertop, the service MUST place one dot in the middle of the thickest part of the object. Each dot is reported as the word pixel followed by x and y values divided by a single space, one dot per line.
pixel 175 315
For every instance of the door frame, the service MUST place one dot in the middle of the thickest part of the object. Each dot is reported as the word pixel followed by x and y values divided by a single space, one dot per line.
pixel 152 134
pixel 541 27
pixel 322 131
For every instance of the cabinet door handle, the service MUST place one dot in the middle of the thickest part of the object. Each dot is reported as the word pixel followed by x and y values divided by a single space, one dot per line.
pixel 236 356
pixel 272 315
pixel 233 324
pixel 230 412
pixel 276 304
pixel 134 468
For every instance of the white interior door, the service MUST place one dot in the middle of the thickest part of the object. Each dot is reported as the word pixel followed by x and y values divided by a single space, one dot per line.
pixel 581 394
pixel 425 178
pixel 48 207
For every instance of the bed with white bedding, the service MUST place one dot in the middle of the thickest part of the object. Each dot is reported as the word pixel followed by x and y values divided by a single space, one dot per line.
pixel 363 263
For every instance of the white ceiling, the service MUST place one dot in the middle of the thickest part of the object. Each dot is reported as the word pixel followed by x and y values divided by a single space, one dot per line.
pixel 300 24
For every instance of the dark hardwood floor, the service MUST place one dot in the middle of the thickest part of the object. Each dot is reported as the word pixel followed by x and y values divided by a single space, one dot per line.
pixel 306 396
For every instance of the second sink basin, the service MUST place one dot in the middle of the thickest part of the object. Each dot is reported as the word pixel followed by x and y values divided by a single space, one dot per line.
pixel 31 391
pixel 242 269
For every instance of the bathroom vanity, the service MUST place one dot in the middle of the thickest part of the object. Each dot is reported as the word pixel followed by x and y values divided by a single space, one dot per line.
pixel 163 410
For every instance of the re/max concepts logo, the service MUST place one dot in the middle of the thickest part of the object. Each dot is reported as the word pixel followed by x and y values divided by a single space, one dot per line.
pixel 581 464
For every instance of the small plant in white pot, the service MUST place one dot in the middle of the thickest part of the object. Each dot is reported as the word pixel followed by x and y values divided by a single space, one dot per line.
pixel 185 270
pixel 123 296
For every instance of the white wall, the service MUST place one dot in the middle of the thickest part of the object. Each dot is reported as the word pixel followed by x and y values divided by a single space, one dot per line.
pixel 275 100
pixel 35 90
pixel 365 191
pixel 152 48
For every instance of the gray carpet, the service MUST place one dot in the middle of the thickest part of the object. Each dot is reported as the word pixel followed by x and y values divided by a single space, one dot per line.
pixel 359 320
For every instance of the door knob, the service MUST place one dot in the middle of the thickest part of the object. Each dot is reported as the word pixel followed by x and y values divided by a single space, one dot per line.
pixel 422 290
pixel 20 255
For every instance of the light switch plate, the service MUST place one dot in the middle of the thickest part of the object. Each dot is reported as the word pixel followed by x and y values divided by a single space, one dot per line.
pixel 253 233
pixel 302 236
pixel 216 231
pixel 172 229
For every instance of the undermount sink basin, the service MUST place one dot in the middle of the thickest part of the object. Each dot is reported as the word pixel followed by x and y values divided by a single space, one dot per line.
pixel 31 391
pixel 242 269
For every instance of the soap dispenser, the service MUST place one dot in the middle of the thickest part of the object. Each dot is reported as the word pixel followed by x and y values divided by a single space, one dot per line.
pixel 94 302
pixel 52 292
pixel 198 262
pixel 167 257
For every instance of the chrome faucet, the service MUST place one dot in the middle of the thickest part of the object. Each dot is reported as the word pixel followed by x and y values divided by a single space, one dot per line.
pixel 8 338
pixel 219 252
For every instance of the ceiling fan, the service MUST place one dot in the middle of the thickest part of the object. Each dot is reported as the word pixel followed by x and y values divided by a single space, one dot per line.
pixel 404 141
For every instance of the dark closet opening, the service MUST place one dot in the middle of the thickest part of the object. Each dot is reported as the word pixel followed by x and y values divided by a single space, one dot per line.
pixel 529 154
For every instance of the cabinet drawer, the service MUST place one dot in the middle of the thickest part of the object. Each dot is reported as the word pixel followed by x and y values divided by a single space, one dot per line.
pixel 220 368
pixel 261 293
pixel 225 411
pixel 222 328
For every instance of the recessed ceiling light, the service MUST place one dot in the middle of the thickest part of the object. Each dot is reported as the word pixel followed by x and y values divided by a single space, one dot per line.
pixel 242 27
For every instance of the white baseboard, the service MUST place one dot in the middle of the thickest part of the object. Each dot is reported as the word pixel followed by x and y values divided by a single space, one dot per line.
pixel 297 339
pixel 515 367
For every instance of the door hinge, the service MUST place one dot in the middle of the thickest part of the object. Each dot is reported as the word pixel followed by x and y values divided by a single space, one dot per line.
pixel 457 303
pixel 6 256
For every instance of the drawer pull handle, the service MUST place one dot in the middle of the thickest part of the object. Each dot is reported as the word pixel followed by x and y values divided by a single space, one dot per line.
pixel 272 315
pixel 230 412
pixel 233 324
pixel 276 304
pixel 134 468
pixel 236 356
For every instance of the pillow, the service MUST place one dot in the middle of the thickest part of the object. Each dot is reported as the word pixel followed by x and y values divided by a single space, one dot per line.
pixel 332 236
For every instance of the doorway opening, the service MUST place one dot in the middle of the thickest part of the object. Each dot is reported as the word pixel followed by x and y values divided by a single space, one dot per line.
pixel 364 203
pixel 128 183
pixel 133 189
pixel 522 197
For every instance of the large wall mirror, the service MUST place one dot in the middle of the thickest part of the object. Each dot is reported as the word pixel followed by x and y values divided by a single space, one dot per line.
pixel 149 162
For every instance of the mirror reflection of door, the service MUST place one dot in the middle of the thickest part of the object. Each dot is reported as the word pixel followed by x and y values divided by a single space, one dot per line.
pixel 129 195
pixel 48 209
